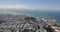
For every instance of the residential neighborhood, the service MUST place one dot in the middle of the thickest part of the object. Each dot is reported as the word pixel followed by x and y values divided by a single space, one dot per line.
pixel 24 23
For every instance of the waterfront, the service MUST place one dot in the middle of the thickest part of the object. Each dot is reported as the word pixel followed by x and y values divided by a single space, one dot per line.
pixel 24 23
pixel 44 14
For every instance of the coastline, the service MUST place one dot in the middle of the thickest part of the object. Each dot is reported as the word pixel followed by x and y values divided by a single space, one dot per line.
pixel 18 20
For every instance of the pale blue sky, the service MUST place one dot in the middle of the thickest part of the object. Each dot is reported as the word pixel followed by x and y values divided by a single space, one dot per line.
pixel 31 4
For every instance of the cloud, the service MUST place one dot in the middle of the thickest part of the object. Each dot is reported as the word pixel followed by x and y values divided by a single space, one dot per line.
pixel 17 6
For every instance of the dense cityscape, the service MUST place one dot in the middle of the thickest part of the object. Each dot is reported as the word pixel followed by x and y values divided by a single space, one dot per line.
pixel 24 23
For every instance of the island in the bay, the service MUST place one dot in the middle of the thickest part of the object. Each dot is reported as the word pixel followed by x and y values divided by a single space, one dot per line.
pixel 24 23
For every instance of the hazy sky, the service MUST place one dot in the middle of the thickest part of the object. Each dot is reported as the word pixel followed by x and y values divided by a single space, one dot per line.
pixel 30 4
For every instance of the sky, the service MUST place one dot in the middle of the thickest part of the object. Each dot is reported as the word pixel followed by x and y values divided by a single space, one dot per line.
pixel 30 4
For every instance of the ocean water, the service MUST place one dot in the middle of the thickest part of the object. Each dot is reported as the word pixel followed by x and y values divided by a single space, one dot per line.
pixel 44 14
